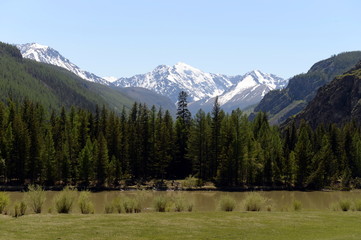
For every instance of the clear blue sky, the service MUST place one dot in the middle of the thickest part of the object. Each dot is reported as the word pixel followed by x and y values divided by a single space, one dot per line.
pixel 123 38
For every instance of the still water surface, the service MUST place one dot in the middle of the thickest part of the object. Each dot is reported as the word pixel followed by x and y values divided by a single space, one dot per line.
pixel 208 200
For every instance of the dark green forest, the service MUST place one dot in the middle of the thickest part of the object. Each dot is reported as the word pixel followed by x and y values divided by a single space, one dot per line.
pixel 101 148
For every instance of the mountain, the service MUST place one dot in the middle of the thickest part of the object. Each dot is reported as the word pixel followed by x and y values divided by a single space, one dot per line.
pixel 45 54
pixel 337 102
pixel 169 81
pixel 110 79
pixel 202 88
pixel 143 95
pixel 246 91
pixel 52 86
pixel 302 88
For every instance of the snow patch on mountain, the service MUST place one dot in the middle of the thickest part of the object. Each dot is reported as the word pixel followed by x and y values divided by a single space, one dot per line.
pixel 46 54
pixel 170 80
pixel 110 79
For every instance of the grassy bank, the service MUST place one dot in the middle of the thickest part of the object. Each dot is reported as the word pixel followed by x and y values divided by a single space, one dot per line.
pixel 194 225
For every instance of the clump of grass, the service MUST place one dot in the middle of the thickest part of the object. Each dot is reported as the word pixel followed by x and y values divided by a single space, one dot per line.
pixel 344 205
pixel 357 205
pixel 132 205
pixel 179 204
pixel 4 201
pixel 64 200
pixel 19 209
pixel 137 205
pixel 162 204
pixel 269 207
pixel 191 182
pixel 254 202
pixel 85 204
pixel 297 205
pixel 109 208
pixel 117 205
pixel 189 206
pixel 35 198
pixel 227 203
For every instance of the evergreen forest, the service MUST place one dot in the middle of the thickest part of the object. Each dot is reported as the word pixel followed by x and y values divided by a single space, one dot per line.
pixel 102 148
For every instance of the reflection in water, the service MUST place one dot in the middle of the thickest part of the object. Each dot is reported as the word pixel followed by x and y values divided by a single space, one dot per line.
pixel 208 200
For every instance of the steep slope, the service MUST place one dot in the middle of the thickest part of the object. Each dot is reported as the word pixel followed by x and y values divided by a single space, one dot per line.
pixel 169 81
pixel 247 90
pixel 337 102
pixel 301 89
pixel 45 54
pixel 52 86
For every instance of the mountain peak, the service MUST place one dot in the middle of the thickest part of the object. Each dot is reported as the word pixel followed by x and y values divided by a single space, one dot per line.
pixel 46 54
pixel 38 46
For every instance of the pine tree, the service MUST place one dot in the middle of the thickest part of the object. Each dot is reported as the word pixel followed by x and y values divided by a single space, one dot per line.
pixel 199 145
pixel 102 160
pixel 303 155
pixel 86 162
pixel 217 117
pixel 181 166
pixel 48 160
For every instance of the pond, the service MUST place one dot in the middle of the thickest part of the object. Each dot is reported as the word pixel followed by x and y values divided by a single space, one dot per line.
pixel 208 200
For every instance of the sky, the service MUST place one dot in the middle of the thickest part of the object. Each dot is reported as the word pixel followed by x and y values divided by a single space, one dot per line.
pixel 123 38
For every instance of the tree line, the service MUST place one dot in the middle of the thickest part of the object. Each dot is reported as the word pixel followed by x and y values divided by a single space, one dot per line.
pixel 76 146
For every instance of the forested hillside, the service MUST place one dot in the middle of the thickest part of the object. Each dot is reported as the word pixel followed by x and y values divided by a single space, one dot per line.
pixel 337 102
pixel 101 148
pixel 51 86
pixel 302 88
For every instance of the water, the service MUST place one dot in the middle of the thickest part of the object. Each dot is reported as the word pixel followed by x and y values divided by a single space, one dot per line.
pixel 208 200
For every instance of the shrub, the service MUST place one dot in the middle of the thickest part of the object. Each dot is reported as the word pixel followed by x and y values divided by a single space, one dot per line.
pixel 227 203
pixel 179 204
pixel 19 209
pixel 190 207
pixel 35 198
pixel 85 205
pixel 297 205
pixel 357 205
pixel 137 205
pixel 64 200
pixel 162 204
pixel 191 182
pixel 254 202
pixel 128 205
pixel 109 208
pixel 117 205
pixel 4 201
pixel 345 205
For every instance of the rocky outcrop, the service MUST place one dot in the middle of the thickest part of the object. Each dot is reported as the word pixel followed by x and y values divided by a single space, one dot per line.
pixel 337 102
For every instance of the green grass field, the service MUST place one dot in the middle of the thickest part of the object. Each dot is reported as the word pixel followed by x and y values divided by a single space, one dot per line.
pixel 194 225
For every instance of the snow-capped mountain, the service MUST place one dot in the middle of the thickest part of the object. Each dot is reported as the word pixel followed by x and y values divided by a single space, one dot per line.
pixel 170 80
pixel 236 91
pixel 110 79
pixel 248 90
pixel 45 54
pixel 255 84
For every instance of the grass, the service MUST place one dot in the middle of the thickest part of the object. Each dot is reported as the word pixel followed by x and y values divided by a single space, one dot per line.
pixel 162 204
pixel 4 201
pixel 297 205
pixel 227 203
pixel 196 225
pixel 64 200
pixel 345 204
pixel 35 198
pixel 254 201
pixel 85 205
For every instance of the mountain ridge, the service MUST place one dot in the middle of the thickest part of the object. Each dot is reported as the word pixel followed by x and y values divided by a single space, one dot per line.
pixel 302 88
pixel 46 54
